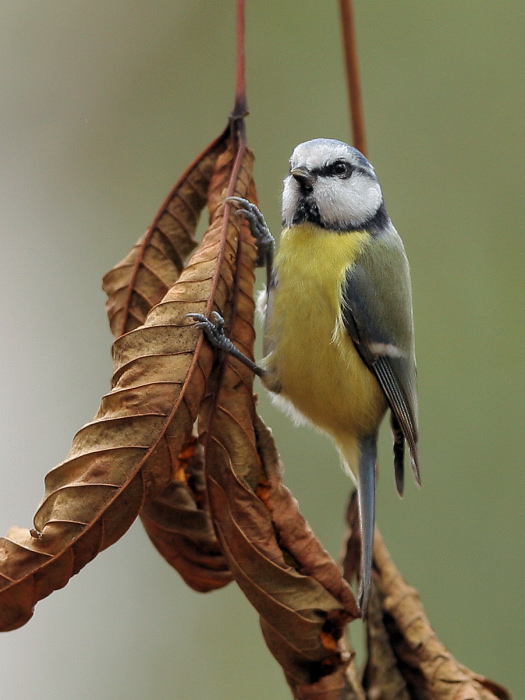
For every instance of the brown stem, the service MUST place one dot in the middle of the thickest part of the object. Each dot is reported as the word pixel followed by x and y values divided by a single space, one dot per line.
pixel 240 109
pixel 352 75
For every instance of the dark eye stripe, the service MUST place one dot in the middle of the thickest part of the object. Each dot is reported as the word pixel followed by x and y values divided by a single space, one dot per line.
pixel 341 168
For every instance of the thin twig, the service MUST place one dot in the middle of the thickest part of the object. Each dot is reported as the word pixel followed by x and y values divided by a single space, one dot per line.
pixel 352 75
pixel 240 109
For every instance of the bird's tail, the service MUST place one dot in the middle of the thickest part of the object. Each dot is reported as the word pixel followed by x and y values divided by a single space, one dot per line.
pixel 361 457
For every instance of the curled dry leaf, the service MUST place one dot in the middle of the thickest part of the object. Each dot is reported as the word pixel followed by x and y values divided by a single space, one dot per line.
pixel 177 520
pixel 406 661
pixel 155 262
pixel 429 669
pixel 161 370
pixel 179 524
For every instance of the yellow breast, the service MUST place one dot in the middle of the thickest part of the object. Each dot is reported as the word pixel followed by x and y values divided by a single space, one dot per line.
pixel 312 361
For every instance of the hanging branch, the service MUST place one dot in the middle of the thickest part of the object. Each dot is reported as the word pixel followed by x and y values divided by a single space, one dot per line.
pixel 355 102
pixel 240 109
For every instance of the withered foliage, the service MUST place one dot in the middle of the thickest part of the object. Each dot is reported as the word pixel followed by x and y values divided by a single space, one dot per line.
pixel 178 523
pixel 178 442
pixel 406 660
pixel 130 450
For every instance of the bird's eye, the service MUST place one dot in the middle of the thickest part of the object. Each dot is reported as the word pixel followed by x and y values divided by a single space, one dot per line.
pixel 342 169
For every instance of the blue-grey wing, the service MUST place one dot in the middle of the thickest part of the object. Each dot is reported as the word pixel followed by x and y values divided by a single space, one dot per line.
pixel 377 315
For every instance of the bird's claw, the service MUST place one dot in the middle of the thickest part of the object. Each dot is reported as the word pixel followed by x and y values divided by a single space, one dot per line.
pixel 213 328
pixel 258 227
pixel 214 331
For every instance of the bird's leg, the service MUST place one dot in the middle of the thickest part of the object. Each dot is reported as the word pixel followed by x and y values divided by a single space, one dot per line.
pixel 260 231
pixel 214 330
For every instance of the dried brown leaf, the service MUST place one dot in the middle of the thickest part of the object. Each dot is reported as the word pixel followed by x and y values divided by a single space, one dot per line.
pixel 161 370
pixel 179 525
pixel 177 520
pixel 429 669
pixel 155 262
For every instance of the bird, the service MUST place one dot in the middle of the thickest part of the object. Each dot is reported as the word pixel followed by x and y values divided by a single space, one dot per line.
pixel 338 332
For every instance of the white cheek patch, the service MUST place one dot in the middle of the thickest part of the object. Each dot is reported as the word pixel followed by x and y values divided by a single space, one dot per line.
pixel 352 201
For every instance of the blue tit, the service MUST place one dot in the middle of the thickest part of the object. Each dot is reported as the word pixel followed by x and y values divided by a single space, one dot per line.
pixel 338 329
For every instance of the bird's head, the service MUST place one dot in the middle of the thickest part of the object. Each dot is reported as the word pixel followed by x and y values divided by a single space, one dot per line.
pixel 331 185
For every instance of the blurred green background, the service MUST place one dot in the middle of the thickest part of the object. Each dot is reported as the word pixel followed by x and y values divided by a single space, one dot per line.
pixel 102 106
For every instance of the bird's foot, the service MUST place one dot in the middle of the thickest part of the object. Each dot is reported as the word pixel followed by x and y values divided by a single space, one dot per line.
pixel 258 227
pixel 214 331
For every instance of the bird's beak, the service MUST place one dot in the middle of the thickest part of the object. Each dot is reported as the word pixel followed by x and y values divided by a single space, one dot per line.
pixel 303 176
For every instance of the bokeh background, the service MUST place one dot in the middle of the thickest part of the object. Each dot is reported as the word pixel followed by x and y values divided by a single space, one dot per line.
pixel 102 106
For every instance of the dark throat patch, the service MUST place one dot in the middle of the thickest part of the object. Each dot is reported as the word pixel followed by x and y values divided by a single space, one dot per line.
pixel 307 211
